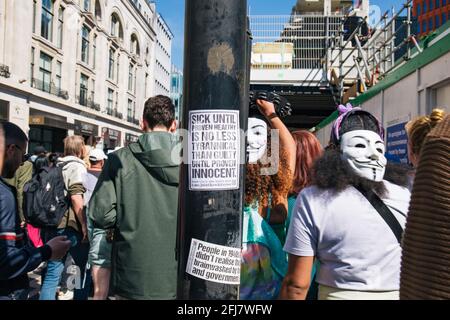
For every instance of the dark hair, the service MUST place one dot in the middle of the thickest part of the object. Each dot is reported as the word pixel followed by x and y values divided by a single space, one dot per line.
pixel 13 134
pixel 359 121
pixel 159 111
pixel 332 173
pixel 40 162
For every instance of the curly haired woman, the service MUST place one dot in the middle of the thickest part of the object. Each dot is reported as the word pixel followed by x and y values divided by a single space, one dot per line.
pixel 264 263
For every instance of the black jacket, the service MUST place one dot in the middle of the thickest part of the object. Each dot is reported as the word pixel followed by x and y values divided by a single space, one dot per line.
pixel 16 258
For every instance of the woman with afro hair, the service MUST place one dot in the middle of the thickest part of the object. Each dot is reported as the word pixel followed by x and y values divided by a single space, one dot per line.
pixel 270 167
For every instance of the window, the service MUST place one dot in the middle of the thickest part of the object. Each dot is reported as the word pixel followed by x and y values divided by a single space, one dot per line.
pixel 111 64
pixel 118 67
pixel 47 19
pixel 34 15
pixel 83 90
pixel 444 18
pixel 98 10
pixel 431 5
pixel 130 77
pixel 110 101
pixel 437 21
pixel 85 44
pixel 116 27
pixel 94 51
pixel 438 3
pixel 32 66
pixel 130 110
pixel 135 76
pixel 430 24
pixel 58 75
pixel 424 26
pixel 60 27
pixel 87 5
pixel 425 6
pixel 45 72
pixel 134 45
pixel 92 95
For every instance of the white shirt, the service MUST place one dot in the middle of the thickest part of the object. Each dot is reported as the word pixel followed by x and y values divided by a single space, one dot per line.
pixel 356 248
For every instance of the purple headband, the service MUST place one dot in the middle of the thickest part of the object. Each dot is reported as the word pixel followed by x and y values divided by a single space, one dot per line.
pixel 344 112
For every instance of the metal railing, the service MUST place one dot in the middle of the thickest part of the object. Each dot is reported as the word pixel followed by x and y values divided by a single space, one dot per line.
pixel 49 87
pixel 88 102
pixel 114 113
pixel 341 50
pixel 291 42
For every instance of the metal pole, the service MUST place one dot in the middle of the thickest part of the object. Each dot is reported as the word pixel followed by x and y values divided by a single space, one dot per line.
pixel 361 77
pixel 408 30
pixel 393 26
pixel 363 58
pixel 341 62
pixel 212 182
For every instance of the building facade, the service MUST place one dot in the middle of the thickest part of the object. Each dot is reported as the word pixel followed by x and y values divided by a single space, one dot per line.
pixel 431 14
pixel 81 67
pixel 163 57
pixel 176 90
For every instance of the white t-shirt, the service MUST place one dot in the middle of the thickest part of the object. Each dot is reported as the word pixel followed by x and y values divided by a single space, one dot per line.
pixel 356 248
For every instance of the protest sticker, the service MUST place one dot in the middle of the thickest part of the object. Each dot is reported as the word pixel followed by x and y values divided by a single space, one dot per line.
pixel 214 150
pixel 214 263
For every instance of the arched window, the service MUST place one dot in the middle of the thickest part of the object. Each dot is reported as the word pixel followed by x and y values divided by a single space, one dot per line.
pixel 116 27
pixel 135 45
pixel 47 19
pixel 98 10
pixel 87 5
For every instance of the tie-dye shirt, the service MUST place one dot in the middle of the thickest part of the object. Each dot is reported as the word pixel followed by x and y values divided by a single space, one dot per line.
pixel 263 262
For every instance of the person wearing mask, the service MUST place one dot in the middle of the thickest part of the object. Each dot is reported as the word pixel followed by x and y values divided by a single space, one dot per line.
pixel 350 219
pixel 16 257
pixel 263 262
pixel 73 225
pixel 137 196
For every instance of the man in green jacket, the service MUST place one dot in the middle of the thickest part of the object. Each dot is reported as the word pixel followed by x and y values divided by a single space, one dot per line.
pixel 137 196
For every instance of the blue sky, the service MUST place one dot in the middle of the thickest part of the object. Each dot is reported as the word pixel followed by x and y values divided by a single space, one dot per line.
pixel 173 13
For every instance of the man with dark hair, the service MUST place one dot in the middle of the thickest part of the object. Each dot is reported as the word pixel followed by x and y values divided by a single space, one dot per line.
pixel 137 196
pixel 159 112
pixel 24 174
pixel 17 258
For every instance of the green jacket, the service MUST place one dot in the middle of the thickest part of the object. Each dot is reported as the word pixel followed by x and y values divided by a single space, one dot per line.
pixel 137 195
pixel 21 176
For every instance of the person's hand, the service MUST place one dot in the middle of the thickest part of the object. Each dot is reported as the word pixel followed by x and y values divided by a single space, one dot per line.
pixel 59 245
pixel 267 108
pixel 85 233
pixel 23 224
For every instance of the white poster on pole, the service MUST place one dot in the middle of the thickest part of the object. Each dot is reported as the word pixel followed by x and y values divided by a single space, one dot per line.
pixel 214 263
pixel 214 150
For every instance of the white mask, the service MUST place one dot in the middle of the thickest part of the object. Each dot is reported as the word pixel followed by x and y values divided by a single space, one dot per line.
pixel 364 151
pixel 256 139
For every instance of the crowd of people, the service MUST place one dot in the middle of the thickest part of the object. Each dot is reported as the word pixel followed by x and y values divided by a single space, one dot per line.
pixel 327 225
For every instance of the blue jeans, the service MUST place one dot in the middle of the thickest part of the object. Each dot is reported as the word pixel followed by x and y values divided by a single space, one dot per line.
pixel 79 252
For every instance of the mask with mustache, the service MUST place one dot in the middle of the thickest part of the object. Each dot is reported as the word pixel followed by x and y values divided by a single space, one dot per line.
pixel 364 151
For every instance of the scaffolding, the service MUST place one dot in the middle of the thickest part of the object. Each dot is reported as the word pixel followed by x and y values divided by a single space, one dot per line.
pixel 339 51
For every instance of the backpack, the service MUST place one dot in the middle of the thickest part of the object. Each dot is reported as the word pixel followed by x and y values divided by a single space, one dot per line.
pixel 45 200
